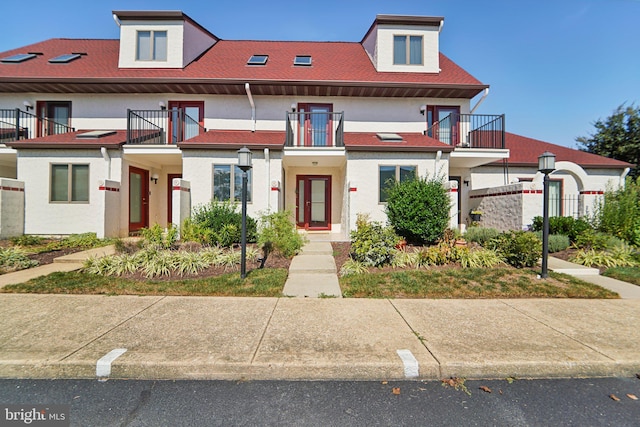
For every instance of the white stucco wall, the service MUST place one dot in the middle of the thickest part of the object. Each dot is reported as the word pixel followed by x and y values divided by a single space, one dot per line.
pixel 198 170
pixel 46 218
pixel 363 174
pixel 11 208
pixel 128 41
pixel 430 46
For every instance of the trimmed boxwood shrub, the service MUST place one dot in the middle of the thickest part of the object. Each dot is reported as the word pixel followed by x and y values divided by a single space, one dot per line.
pixel 418 209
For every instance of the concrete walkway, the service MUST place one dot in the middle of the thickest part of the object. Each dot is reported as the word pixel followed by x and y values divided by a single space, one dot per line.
pixel 313 273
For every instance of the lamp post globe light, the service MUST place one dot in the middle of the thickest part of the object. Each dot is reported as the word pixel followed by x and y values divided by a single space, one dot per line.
pixel 244 163
pixel 546 165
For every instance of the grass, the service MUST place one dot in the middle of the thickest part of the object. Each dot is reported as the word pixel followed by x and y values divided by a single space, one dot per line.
pixel 258 283
pixel 626 274
pixel 468 283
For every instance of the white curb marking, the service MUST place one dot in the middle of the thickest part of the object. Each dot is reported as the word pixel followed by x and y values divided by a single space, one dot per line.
pixel 103 367
pixel 411 369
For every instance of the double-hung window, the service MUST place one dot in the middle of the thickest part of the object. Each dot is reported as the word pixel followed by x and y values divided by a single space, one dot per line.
pixel 227 183
pixel 151 46
pixel 69 183
pixel 407 50
pixel 389 175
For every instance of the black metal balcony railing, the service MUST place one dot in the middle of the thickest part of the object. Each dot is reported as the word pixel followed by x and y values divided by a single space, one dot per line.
pixel 315 129
pixel 16 124
pixel 161 126
pixel 470 130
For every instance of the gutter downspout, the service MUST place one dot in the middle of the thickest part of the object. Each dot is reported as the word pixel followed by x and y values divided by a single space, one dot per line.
pixel 623 177
pixel 115 18
pixel 480 101
pixel 441 25
pixel 107 159
pixel 267 160
pixel 253 107
pixel 438 157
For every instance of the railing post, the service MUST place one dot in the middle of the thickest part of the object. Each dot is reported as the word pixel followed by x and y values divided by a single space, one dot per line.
pixel 17 124
pixel 503 128
pixel 128 126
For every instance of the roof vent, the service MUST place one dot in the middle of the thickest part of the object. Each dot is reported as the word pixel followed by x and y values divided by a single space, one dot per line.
pixel 389 137
pixel 94 134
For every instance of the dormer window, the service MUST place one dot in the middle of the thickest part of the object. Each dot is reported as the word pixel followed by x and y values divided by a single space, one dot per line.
pixel 407 50
pixel 151 46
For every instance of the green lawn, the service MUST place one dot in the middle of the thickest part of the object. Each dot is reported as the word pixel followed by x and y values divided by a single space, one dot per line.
pixel 626 274
pixel 468 283
pixel 267 282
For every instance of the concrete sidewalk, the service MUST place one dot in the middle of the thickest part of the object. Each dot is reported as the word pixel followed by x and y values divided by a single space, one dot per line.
pixel 60 336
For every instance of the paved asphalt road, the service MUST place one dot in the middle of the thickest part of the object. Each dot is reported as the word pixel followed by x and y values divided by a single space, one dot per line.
pixel 583 402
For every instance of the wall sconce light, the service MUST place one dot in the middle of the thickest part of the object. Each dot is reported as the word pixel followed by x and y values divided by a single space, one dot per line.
pixel 154 178
pixel 294 106
pixel 423 108
pixel 466 183
pixel 27 105
pixel 162 105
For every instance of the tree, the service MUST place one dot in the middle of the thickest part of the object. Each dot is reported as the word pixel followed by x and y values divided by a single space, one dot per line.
pixel 617 137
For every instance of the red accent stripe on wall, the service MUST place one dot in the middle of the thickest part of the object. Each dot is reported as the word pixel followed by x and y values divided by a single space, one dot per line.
pixel 506 193
pixel 177 187
pixel 5 188
pixel 103 188
pixel 453 190
pixel 592 192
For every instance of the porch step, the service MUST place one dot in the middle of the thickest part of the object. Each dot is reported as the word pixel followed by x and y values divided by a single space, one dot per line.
pixel 317 248
pixel 314 264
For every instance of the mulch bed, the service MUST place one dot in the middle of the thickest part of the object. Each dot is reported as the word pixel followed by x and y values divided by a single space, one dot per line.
pixel 48 257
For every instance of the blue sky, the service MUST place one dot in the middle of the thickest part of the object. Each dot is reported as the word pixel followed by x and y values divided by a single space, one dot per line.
pixel 554 66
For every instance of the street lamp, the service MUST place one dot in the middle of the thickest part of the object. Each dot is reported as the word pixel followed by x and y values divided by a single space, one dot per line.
pixel 244 163
pixel 546 165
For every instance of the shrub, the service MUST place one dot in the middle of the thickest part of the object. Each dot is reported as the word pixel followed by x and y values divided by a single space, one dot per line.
pixel 619 212
pixel 518 248
pixel 372 243
pixel 27 240
pixel 597 240
pixel 558 242
pixel 157 236
pixel 351 267
pixel 619 257
pixel 565 225
pixel 277 232
pixel 480 258
pixel 418 209
pixel 218 223
pixel 480 235
pixel 14 259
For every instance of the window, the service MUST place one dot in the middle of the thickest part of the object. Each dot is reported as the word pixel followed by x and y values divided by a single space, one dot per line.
pixel 69 183
pixel 20 57
pixel 151 46
pixel 54 117
pixel 388 175
pixel 63 59
pixel 407 50
pixel 302 60
pixel 258 60
pixel 227 183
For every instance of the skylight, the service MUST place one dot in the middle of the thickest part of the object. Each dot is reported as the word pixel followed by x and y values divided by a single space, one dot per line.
pixel 63 59
pixel 258 60
pixel 20 57
pixel 302 60
pixel 389 137
pixel 95 134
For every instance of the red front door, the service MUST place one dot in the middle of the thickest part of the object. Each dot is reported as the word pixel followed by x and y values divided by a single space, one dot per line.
pixel 138 198
pixel 184 118
pixel 313 202
pixel 315 125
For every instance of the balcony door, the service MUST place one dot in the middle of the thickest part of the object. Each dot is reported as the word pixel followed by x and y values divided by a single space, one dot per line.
pixel 313 202
pixel 138 199
pixel 56 115
pixel 446 120
pixel 315 125
pixel 185 125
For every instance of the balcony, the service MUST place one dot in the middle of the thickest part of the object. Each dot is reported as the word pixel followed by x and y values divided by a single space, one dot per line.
pixel 470 130
pixel 16 124
pixel 161 127
pixel 315 129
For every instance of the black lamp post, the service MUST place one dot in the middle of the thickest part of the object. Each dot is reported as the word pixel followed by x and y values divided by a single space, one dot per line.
pixel 546 165
pixel 244 163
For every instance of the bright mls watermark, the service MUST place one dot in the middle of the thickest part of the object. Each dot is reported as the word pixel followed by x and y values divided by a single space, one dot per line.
pixel 35 415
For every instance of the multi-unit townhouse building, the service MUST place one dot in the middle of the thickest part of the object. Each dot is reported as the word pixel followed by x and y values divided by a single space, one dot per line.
pixel 110 136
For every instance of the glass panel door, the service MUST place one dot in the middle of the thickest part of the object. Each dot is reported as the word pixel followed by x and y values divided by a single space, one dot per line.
pixel 185 119
pixel 313 202
pixel 315 128
pixel 138 198
pixel 318 203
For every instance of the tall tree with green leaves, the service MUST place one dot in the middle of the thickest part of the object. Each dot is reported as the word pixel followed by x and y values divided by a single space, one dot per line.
pixel 617 137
